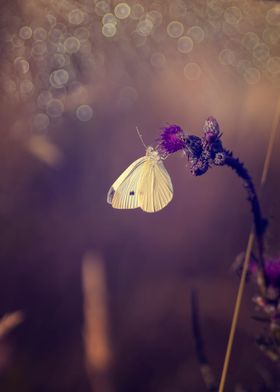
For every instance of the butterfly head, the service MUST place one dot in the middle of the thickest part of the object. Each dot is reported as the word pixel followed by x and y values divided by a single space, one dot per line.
pixel 152 153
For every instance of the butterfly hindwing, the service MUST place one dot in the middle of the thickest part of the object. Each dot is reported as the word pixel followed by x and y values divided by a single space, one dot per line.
pixel 155 187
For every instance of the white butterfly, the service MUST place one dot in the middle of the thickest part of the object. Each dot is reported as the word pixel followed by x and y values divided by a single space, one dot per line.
pixel 145 184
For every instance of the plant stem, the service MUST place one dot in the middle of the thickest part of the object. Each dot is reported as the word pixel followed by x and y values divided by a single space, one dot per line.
pixel 260 222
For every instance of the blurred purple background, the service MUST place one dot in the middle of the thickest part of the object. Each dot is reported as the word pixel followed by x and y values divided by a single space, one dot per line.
pixel 66 136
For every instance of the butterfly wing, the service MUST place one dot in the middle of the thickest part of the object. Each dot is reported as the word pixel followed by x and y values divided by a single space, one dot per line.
pixel 155 189
pixel 123 194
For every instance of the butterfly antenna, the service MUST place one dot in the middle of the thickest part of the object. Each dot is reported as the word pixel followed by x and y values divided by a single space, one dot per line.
pixel 141 137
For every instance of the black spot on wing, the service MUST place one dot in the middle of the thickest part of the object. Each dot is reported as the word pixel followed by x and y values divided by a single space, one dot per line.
pixel 131 193
pixel 110 195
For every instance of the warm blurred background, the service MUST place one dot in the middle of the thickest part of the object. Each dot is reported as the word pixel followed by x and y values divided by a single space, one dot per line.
pixel 105 294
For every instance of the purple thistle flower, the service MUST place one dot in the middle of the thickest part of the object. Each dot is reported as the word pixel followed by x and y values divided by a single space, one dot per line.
pixel 211 130
pixel 172 139
pixel 211 140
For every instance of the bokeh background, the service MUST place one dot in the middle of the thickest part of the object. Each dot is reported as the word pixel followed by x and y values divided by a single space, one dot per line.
pixel 105 294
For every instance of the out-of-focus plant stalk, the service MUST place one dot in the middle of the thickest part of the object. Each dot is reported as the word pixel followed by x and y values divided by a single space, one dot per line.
pixel 96 334
pixel 9 322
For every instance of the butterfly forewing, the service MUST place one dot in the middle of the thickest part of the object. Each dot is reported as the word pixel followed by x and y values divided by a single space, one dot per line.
pixel 123 193
pixel 155 187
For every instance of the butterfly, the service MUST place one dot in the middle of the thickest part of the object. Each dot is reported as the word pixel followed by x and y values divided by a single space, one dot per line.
pixel 145 184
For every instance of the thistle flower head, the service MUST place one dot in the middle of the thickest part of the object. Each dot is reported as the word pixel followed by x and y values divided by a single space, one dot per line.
pixel 211 130
pixel 211 141
pixel 172 139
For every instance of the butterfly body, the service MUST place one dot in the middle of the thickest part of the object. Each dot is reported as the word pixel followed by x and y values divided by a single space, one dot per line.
pixel 145 184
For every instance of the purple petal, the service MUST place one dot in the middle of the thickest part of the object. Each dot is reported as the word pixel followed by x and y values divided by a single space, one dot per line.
pixel 172 139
